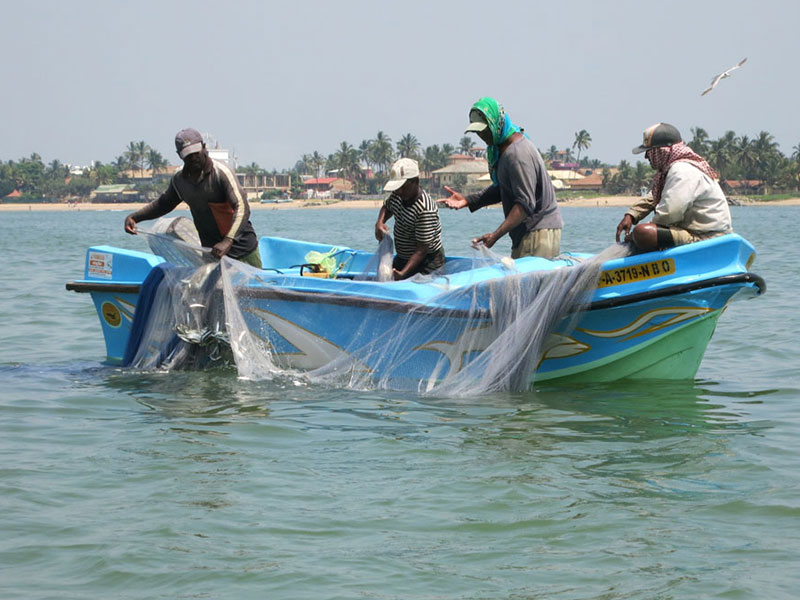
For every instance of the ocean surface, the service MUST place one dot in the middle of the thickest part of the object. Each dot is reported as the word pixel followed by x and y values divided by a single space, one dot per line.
pixel 199 485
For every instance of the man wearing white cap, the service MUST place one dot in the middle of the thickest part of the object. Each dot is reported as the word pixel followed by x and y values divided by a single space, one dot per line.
pixel 219 207
pixel 417 229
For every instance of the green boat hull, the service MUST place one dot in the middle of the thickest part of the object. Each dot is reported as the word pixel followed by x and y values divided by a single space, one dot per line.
pixel 675 355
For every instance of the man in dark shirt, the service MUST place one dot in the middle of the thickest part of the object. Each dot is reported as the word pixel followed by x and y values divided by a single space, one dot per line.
pixel 219 207
pixel 519 181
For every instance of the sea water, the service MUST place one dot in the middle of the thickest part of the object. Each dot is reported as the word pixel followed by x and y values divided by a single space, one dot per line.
pixel 199 485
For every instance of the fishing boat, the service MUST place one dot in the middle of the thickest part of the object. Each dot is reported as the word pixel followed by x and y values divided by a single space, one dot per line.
pixel 641 316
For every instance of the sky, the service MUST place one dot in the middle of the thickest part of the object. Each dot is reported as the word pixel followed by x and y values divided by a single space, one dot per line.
pixel 272 80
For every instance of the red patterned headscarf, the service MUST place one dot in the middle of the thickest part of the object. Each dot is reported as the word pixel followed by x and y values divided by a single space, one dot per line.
pixel 664 157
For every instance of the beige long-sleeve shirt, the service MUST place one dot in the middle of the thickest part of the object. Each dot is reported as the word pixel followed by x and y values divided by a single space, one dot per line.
pixel 690 200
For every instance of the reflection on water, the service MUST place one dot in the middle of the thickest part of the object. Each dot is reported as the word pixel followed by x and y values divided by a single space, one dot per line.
pixel 631 411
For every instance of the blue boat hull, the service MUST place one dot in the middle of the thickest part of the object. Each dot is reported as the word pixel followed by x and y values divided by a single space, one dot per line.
pixel 651 316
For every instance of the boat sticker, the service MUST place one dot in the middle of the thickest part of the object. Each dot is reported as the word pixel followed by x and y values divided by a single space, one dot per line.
pixel 111 314
pixel 474 339
pixel 100 265
pixel 648 270
pixel 562 346
pixel 313 350
pixel 651 321
pixel 125 307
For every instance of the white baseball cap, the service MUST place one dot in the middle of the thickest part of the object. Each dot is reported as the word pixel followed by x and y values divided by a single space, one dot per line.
pixel 477 122
pixel 402 170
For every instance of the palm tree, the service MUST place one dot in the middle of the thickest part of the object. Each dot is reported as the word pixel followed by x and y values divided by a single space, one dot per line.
pixel 699 141
pixel 720 156
pixel 766 149
pixel 122 164
pixel 29 173
pixel 317 162
pixel 136 153
pixel 623 180
pixel 582 141
pixel 57 170
pixel 142 149
pixel 747 157
pixel 347 160
pixel 796 158
pixel 552 153
pixel 253 169
pixel 408 146
pixel 155 161
pixel 303 166
pixel 465 145
pixel 381 151
pixel 776 168
pixel 796 153
pixel 433 158
pixel 642 175
pixel 447 150
pixel 364 153
pixel 103 174
pixel 132 155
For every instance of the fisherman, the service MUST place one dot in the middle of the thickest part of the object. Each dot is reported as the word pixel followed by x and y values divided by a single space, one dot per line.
pixel 417 229
pixel 219 207
pixel 687 201
pixel 519 181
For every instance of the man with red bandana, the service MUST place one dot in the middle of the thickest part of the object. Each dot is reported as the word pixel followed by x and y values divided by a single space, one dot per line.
pixel 687 201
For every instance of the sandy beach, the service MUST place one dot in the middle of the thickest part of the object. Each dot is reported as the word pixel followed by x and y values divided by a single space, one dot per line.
pixel 622 201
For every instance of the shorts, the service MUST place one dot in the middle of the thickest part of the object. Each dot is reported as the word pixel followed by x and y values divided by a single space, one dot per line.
pixel 431 262
pixel 669 236
pixel 539 242
pixel 253 259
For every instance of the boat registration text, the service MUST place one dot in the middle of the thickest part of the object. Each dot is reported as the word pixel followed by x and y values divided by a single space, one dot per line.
pixel 650 270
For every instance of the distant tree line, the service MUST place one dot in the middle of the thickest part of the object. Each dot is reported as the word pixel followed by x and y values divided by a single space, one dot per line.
pixel 734 157
pixel 39 182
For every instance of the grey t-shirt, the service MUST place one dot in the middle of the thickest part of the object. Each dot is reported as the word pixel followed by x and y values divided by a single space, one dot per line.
pixel 522 179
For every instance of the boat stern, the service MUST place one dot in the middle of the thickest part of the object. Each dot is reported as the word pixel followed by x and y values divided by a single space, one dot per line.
pixel 113 278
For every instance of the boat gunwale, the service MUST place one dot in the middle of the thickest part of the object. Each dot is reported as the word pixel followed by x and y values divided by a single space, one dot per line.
pixel 85 287
pixel 317 296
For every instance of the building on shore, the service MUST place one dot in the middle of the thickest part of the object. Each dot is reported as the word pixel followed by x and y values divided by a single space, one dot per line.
pixel 588 183
pixel 255 184
pixel 114 193
pixel 327 187
pixel 461 170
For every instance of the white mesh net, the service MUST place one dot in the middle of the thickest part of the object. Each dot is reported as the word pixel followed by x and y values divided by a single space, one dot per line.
pixel 473 338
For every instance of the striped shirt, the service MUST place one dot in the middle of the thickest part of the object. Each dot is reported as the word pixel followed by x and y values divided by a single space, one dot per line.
pixel 415 224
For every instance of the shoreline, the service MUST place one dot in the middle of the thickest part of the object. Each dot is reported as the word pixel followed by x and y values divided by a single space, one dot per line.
pixel 600 201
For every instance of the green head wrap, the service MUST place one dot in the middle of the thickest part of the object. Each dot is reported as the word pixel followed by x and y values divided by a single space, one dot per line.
pixel 500 126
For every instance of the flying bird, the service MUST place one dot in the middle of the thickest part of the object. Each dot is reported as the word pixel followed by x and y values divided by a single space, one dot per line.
pixel 722 76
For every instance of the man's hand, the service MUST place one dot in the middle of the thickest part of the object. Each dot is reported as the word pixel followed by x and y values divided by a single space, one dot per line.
pixel 625 227
pixel 380 230
pixel 220 249
pixel 398 275
pixel 455 200
pixel 130 225
pixel 487 239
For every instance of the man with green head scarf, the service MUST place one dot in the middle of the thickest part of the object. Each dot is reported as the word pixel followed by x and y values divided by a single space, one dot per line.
pixel 519 181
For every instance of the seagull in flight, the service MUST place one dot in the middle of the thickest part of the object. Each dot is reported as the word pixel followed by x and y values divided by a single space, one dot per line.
pixel 722 76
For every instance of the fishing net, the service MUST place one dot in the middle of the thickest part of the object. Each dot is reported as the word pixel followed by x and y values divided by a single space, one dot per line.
pixel 477 326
